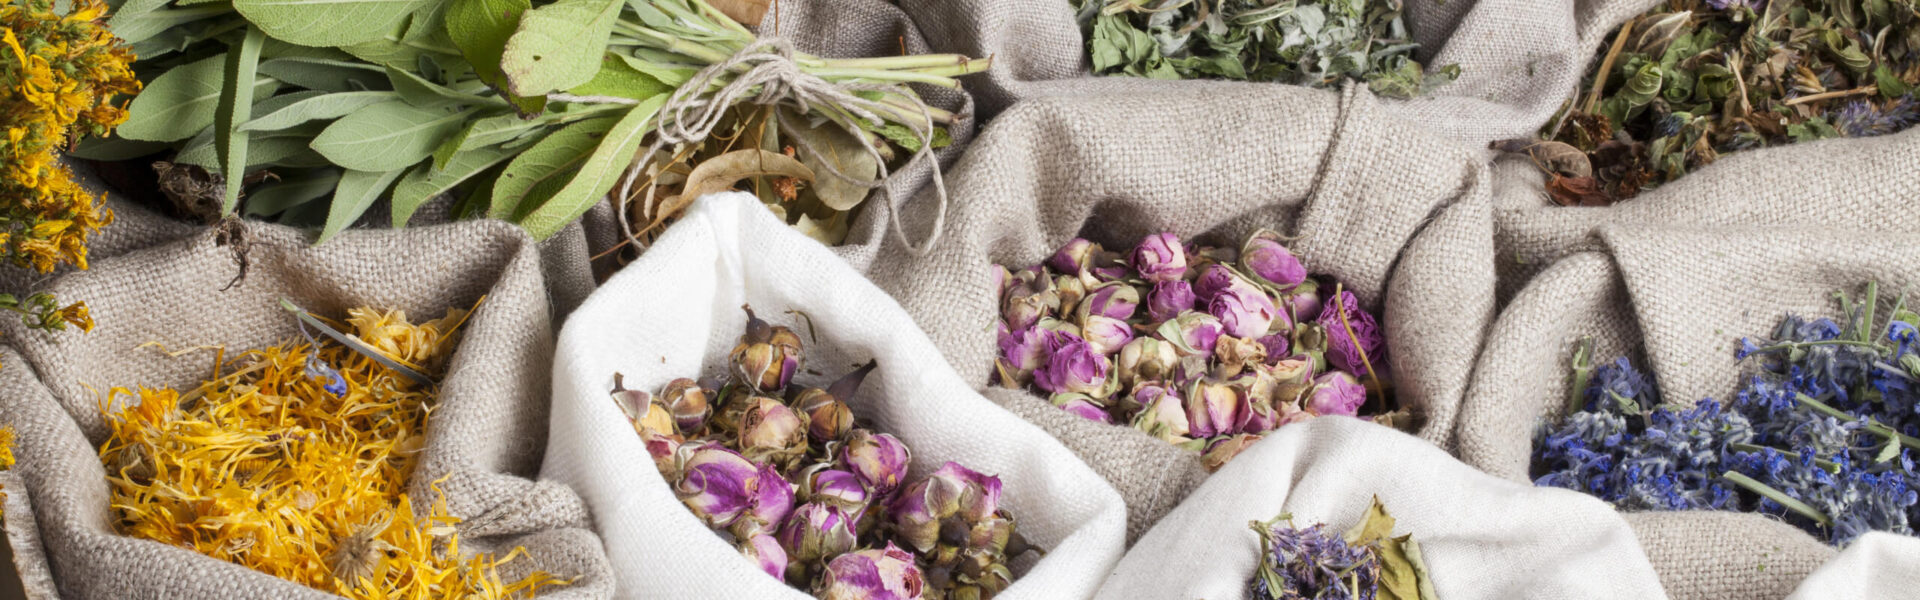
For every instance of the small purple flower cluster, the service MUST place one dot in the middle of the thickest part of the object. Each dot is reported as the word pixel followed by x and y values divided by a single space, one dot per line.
pixel 1312 563
pixel 786 474
pixel 1204 347
pixel 1822 436
pixel 1862 118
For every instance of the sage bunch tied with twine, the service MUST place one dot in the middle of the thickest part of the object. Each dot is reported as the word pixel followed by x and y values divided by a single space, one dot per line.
pixel 526 113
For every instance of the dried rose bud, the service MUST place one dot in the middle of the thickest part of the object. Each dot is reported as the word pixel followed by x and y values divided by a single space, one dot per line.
pixel 1115 300
pixel 1222 450
pixel 1215 279
pixel 827 417
pixel 1145 359
pixel 1107 335
pixel 1277 345
pixel 1293 368
pixel 1071 290
pixel 1236 354
pixel 953 492
pixel 1002 281
pixel 1261 416
pixel 767 355
pixel 1021 353
pixel 879 460
pixel 1192 333
pixel 1244 312
pixel 688 403
pixel 1310 341
pixel 1075 257
pixel 1303 302
pixel 1213 409
pixel 1168 299
pixel 1162 414
pixel 817 532
pixel 821 483
pixel 1027 302
pixel 765 551
pixel 1082 406
pixel 1267 260
pixel 651 421
pixel 1337 393
pixel 879 574
pixel 1343 350
pixel 1160 257
pixel 719 485
pixel 1075 367
pixel 771 432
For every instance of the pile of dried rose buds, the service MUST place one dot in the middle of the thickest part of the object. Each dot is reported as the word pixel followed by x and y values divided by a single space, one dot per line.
pixel 1203 347
pixel 817 499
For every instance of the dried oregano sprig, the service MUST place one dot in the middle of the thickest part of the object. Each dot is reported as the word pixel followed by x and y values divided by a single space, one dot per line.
pixel 1692 80
pixel 1315 43
pixel 1364 563
pixel 1823 436
pixel 293 464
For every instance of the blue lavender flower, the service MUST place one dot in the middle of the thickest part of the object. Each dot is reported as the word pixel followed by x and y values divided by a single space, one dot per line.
pixel 1617 382
pixel 335 384
pixel 1312 563
pixel 1756 5
pixel 1863 118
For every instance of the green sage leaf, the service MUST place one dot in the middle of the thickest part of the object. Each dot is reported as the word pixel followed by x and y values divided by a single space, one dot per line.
pixel 615 78
pixel 558 46
pixel 426 181
pixel 423 93
pixel 597 175
pixel 481 28
pixel 182 101
pixel 114 148
pixel 557 156
pixel 357 192
pixel 236 104
pixel 326 74
pixel 388 136
pixel 292 190
pixel 316 108
pixel 326 22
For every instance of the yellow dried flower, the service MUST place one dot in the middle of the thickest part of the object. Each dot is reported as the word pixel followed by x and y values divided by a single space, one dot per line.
pixel 269 468
pixel 6 447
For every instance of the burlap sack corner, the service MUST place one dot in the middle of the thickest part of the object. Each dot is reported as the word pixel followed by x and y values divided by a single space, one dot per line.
pixel 1402 218
pixel 486 434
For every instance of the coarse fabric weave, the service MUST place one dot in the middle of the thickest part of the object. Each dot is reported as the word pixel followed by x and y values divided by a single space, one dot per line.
pixel 676 313
pixel 1520 60
pixel 1878 565
pixel 1481 536
pixel 485 436
pixel 1399 216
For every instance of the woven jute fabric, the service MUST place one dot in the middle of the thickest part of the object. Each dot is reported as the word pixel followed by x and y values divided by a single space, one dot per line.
pixel 1399 216
pixel 1519 59
pixel 486 435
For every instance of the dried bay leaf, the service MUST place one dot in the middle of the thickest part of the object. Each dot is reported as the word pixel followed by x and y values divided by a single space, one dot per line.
pixel 827 144
pixel 718 174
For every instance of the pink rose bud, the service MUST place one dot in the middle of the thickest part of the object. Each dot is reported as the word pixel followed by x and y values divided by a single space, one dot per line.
pixel 1080 405
pixel 1160 257
pixel 1213 409
pixel 1075 367
pixel 1243 312
pixel 765 551
pixel 717 485
pixel 1115 300
pixel 1162 414
pixel 1222 451
pixel 1303 301
pixel 953 492
pixel 1002 281
pixel 1146 359
pixel 1359 333
pixel 1021 353
pixel 1192 333
pixel 823 484
pixel 1277 344
pixel 1271 262
pixel 766 356
pixel 1074 257
pixel 1337 393
pixel 1168 299
pixel 879 574
pixel 689 404
pixel 1107 335
pixel 1071 290
pixel 879 460
pixel 1031 297
pixel 817 532
pixel 772 432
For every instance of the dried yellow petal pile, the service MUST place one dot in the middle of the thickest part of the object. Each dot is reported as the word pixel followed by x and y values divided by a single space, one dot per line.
pixel 266 468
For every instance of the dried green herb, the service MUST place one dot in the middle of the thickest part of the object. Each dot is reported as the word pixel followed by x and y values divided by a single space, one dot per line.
pixel 1692 80
pixel 1316 44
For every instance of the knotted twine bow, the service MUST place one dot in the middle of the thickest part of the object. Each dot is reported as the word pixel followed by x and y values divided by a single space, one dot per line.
pixel 696 107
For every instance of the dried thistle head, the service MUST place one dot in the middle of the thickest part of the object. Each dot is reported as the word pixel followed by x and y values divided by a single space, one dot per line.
pixel 356 557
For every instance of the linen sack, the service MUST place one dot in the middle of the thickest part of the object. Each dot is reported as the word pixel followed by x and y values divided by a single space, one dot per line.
pixel 1674 297
pixel 1481 536
pixel 1878 565
pixel 676 313
pixel 1520 60
pixel 1399 216
pixel 485 436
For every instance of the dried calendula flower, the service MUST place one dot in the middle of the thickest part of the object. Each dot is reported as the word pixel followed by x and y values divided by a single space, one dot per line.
pixel 294 462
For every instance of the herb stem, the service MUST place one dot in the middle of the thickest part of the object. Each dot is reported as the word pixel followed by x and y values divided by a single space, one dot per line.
pixel 1834 94
pixel 1340 305
pixel 1582 375
pixel 1873 427
pixel 887 76
pixel 1793 504
pixel 1606 65
pixel 1827 465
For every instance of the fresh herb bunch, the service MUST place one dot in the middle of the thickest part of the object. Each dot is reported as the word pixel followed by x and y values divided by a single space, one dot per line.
pixel 1365 563
pixel 60 74
pixel 1207 348
pixel 1315 43
pixel 530 114
pixel 1692 80
pixel 293 464
pixel 801 486
pixel 1823 435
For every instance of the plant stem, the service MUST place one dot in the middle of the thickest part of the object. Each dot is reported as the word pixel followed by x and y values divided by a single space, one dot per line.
pixel 1582 375
pixel 917 61
pixel 1754 485
pixel 1826 465
pixel 1873 427
pixel 886 76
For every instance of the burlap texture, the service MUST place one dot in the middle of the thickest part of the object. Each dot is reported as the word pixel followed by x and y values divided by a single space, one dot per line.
pixel 1400 216
pixel 486 435
pixel 1519 59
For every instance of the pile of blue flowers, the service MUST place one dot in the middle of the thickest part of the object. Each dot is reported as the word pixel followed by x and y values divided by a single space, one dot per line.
pixel 1822 435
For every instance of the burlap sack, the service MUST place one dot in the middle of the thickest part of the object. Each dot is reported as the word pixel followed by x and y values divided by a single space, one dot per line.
pixel 1481 536
pixel 1519 59
pixel 1659 281
pixel 1878 565
pixel 1398 215
pixel 486 434
pixel 676 313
